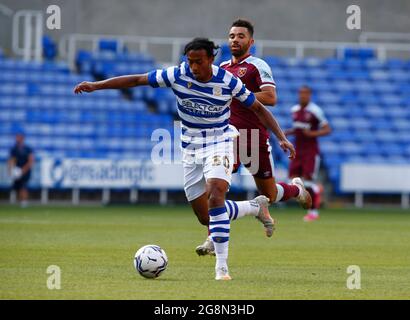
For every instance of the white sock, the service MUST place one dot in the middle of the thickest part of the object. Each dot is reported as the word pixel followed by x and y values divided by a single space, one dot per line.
pixel 219 228
pixel 280 194
pixel 240 209
pixel 313 212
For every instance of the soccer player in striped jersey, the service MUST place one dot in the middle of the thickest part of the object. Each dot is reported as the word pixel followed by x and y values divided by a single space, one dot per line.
pixel 204 93
pixel 257 77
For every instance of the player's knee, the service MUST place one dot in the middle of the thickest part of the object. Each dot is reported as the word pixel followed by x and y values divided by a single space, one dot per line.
pixel 217 197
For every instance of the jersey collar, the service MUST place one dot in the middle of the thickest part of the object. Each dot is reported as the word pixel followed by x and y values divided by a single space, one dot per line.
pixel 242 60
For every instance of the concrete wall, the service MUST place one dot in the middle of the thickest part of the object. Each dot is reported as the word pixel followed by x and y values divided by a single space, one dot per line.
pixel 273 19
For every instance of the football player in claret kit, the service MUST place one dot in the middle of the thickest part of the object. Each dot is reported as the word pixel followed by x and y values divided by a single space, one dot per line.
pixel 256 75
pixel 309 123
pixel 204 93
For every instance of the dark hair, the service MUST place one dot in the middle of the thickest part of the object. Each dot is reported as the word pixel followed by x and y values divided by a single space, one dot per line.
pixel 306 87
pixel 245 24
pixel 202 43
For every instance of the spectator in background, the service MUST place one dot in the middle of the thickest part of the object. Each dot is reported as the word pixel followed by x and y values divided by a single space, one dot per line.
pixel 20 163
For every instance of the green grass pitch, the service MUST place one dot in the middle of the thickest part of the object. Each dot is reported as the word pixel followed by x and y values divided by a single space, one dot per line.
pixel 94 247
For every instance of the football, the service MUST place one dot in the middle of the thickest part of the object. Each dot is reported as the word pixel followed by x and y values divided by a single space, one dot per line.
pixel 150 261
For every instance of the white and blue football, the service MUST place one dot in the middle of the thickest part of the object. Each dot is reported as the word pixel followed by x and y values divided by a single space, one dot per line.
pixel 150 261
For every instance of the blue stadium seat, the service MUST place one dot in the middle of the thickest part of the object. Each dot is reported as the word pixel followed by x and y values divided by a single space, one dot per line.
pixel 363 86
pixel 273 61
pixel 316 74
pixel 391 150
pixel 108 45
pixel 354 64
pixel 349 99
pixel 374 64
pixel 322 86
pixel 395 64
pixel 343 86
pixel 391 100
pixel 367 98
pixel 374 111
pixel 385 136
pixel 359 53
pixel 364 136
pixel 328 98
pixel 379 75
pixel 332 62
pixel 342 134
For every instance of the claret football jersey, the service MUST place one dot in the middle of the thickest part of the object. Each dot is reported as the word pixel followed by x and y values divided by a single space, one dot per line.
pixel 255 74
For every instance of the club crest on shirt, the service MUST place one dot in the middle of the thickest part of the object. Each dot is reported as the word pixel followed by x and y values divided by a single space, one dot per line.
pixel 242 72
pixel 189 85
pixel 217 91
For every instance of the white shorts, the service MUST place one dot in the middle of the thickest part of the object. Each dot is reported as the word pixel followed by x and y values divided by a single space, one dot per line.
pixel 212 162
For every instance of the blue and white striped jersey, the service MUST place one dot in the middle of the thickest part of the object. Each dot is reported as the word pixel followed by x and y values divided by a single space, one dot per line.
pixel 202 107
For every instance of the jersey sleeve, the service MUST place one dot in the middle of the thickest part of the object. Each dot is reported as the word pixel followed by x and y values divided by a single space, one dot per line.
pixel 264 76
pixel 320 115
pixel 240 92
pixel 162 78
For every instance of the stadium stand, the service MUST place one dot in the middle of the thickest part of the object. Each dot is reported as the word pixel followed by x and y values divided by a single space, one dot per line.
pixel 39 98
pixel 366 100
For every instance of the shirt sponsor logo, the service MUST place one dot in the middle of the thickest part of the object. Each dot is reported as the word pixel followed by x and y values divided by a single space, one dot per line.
pixel 201 108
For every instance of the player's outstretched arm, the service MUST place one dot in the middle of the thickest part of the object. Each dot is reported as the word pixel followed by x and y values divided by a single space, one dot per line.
pixel 270 122
pixel 323 131
pixel 267 96
pixel 113 83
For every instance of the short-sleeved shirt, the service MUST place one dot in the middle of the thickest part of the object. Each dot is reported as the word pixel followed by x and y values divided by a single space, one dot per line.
pixel 203 107
pixel 311 118
pixel 255 74
pixel 21 154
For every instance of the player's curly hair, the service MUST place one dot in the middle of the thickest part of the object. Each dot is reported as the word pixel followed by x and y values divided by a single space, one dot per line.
pixel 202 43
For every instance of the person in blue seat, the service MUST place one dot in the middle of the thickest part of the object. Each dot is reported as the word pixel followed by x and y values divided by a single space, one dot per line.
pixel 20 164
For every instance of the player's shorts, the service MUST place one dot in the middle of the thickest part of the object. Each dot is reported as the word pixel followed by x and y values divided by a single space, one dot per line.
pixel 306 166
pixel 261 163
pixel 22 182
pixel 214 162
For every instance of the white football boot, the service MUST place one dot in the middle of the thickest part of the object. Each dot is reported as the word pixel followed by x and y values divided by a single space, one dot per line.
pixel 304 198
pixel 207 248
pixel 222 274
pixel 264 216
